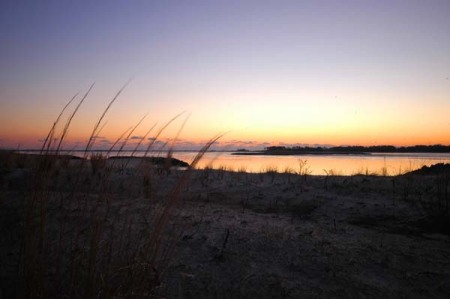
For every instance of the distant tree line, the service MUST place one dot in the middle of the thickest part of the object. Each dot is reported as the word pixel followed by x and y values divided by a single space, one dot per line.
pixel 283 150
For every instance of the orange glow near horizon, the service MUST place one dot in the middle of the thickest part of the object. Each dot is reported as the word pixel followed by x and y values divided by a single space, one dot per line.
pixel 290 120
pixel 305 119
pixel 273 133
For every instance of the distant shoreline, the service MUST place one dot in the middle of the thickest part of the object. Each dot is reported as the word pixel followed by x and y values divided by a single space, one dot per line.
pixel 346 150
pixel 290 151
pixel 265 153
pixel 295 153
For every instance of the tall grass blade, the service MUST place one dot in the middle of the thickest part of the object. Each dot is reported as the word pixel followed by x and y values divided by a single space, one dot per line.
pixel 67 125
pixel 97 125
pixel 47 142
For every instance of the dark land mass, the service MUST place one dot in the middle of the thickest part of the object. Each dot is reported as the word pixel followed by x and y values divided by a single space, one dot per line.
pixel 25 158
pixel 346 150
pixel 155 160
pixel 440 168
pixel 135 231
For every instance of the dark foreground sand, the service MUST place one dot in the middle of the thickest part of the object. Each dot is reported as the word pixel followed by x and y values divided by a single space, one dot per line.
pixel 241 235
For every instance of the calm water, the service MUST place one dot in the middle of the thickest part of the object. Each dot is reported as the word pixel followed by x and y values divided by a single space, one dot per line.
pixel 390 164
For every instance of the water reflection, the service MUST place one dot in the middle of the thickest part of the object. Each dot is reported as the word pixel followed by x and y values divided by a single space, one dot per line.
pixel 388 164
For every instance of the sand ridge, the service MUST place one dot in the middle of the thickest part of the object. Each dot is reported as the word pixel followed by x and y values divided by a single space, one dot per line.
pixel 236 234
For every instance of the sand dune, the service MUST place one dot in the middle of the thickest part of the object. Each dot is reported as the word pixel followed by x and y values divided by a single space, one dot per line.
pixel 232 234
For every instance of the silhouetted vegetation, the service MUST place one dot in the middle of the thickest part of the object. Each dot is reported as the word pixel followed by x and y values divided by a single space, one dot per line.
pixel 347 150
pixel 155 160
pixel 81 230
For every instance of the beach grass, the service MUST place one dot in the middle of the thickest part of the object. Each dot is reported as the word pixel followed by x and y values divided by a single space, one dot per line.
pixel 91 230
pixel 138 232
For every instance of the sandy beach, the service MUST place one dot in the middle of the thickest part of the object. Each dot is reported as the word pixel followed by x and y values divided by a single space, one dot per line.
pixel 221 234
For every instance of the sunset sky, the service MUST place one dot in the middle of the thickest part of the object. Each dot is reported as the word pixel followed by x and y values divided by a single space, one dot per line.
pixel 266 72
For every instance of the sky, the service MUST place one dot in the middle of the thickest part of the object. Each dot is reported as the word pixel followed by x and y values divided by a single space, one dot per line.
pixel 263 72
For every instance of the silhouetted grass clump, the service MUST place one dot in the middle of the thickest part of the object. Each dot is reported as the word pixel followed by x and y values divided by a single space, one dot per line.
pixel 429 189
pixel 84 235
pixel 98 162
